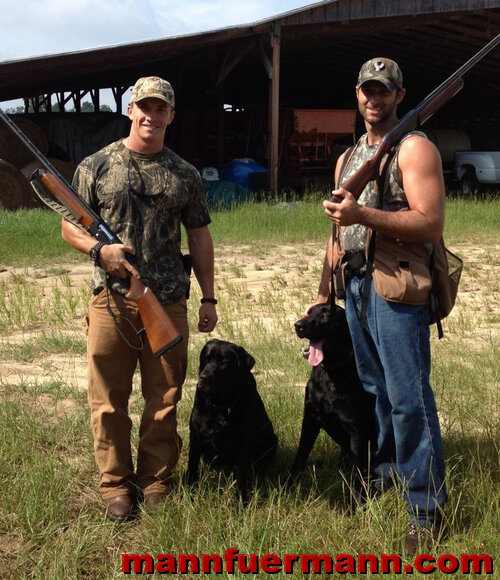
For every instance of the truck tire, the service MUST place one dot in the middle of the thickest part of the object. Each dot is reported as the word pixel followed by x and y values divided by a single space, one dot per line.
pixel 469 183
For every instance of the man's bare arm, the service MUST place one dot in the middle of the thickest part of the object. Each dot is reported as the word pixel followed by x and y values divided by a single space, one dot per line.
pixel 422 179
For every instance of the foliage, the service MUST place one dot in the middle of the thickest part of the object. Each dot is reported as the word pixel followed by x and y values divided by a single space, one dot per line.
pixel 52 521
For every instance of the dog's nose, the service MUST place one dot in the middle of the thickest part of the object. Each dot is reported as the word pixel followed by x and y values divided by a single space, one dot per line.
pixel 299 328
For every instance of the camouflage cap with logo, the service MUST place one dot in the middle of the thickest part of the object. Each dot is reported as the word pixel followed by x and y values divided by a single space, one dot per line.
pixel 155 87
pixel 383 70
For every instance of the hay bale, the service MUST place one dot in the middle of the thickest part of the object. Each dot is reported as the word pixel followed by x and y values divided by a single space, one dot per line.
pixel 15 190
pixel 448 141
pixel 11 148
pixel 65 168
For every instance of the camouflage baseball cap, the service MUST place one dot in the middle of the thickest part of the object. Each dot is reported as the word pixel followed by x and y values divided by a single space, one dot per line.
pixel 156 87
pixel 383 70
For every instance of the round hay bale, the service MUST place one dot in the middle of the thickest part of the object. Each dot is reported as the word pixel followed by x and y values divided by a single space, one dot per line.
pixel 65 168
pixel 11 148
pixel 448 141
pixel 15 191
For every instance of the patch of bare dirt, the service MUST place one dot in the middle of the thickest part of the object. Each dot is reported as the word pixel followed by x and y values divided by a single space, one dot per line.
pixel 269 281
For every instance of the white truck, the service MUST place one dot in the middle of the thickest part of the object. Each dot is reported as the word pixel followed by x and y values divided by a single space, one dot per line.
pixel 474 168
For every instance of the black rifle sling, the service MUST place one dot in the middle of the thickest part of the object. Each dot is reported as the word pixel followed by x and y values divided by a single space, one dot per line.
pixel 433 297
pixel 337 274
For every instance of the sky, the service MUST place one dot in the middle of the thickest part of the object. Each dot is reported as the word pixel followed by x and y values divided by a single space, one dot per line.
pixel 33 28
pixel 40 27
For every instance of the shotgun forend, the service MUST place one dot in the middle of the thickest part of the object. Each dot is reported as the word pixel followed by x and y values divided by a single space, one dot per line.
pixel 412 120
pixel 59 196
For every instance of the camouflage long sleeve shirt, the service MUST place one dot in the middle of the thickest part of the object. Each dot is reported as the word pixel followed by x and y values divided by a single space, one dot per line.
pixel 144 199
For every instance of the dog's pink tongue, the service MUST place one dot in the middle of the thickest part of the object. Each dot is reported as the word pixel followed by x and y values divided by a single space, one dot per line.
pixel 315 353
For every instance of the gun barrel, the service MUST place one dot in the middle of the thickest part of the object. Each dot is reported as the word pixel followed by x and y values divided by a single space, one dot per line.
pixel 160 330
pixel 467 66
pixel 29 145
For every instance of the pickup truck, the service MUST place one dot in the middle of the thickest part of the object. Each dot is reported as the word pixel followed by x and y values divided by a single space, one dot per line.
pixel 474 168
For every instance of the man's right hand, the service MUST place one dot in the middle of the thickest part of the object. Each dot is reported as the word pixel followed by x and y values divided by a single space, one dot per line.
pixel 113 260
pixel 319 300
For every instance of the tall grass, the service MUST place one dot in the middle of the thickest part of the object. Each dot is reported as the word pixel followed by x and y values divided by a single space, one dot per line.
pixel 473 221
pixel 52 522
pixel 32 237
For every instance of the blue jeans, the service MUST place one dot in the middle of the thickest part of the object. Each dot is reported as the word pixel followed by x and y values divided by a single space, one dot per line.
pixel 393 358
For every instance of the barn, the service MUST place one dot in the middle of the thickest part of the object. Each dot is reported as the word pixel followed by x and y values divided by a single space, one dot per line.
pixel 278 92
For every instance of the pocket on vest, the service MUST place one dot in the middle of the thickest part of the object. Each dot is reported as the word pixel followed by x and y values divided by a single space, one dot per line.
pixel 401 271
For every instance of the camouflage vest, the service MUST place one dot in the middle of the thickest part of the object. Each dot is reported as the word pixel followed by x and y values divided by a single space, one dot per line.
pixel 353 238
pixel 144 199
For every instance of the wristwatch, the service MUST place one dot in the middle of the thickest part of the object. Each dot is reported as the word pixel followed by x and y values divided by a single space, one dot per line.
pixel 209 300
pixel 94 253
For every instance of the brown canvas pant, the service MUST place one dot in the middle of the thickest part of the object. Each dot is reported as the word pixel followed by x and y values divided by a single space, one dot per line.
pixel 112 363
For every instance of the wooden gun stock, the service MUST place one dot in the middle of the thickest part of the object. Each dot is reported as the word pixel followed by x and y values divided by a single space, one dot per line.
pixel 67 198
pixel 160 330
pixel 62 198
pixel 367 172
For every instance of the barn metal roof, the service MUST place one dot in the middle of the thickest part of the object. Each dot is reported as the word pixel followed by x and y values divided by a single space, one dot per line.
pixel 322 46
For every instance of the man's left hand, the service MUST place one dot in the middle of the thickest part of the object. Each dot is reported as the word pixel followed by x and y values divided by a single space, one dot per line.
pixel 207 317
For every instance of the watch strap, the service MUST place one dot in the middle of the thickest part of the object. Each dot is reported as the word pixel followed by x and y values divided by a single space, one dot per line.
pixel 94 252
pixel 209 300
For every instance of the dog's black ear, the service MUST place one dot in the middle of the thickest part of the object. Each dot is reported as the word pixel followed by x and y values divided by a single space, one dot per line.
pixel 203 355
pixel 246 359
pixel 202 359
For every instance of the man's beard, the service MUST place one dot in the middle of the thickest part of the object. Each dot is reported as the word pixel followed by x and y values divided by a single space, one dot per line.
pixel 382 116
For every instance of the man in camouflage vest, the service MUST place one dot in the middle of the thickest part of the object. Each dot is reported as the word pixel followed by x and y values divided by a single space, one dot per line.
pixel 391 339
pixel 144 192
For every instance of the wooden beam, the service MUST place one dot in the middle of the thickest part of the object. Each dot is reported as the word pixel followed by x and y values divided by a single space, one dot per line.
pixel 220 124
pixel 265 59
pixel 234 54
pixel 118 93
pixel 274 109
pixel 62 101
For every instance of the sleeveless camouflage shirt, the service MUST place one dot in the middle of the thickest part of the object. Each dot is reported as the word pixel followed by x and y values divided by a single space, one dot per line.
pixel 353 238
pixel 144 199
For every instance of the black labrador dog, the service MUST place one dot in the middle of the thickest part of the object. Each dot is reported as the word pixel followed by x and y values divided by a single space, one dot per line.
pixel 229 423
pixel 334 399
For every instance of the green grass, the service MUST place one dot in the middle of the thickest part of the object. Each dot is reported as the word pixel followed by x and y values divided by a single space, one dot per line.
pixel 52 522
pixel 472 221
pixel 32 237
pixel 276 221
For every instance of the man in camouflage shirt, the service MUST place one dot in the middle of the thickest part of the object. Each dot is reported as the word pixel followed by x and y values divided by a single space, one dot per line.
pixel 391 339
pixel 144 192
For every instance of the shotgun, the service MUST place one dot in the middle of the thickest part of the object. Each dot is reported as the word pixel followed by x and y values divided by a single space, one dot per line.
pixel 413 119
pixel 58 195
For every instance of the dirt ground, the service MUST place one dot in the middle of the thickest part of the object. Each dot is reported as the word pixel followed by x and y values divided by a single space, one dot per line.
pixel 260 277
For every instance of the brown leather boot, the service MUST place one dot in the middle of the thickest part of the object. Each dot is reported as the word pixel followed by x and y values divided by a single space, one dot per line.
pixel 119 508
pixel 154 500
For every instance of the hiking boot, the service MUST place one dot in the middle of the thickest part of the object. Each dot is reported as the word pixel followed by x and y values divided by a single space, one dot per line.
pixel 154 500
pixel 119 508
pixel 419 539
